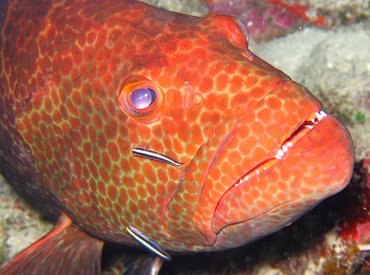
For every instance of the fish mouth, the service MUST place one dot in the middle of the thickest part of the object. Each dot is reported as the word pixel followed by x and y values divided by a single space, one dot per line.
pixel 312 163
pixel 287 143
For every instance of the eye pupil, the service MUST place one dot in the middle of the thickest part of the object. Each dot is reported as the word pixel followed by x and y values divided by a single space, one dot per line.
pixel 143 97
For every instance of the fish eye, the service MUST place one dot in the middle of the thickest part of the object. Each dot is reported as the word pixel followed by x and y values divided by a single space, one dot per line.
pixel 140 99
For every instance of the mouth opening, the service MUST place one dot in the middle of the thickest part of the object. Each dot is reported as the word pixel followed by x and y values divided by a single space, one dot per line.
pixel 287 143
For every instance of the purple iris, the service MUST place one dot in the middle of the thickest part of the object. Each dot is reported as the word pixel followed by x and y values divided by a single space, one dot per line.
pixel 143 97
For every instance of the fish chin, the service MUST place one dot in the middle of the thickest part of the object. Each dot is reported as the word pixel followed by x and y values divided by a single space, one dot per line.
pixel 314 162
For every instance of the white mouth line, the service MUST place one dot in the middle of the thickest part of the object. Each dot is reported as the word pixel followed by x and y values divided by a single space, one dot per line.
pixel 309 124
pixel 287 144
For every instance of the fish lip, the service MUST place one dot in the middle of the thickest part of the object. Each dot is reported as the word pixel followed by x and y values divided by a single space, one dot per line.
pixel 299 133
pixel 306 126
pixel 328 141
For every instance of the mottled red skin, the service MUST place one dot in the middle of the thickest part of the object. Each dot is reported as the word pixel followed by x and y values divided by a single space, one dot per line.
pixel 66 138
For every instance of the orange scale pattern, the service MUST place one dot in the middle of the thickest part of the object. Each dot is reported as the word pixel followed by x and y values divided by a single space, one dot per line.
pixel 219 110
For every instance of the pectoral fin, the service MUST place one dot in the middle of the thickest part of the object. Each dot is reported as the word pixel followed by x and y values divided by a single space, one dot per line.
pixel 64 250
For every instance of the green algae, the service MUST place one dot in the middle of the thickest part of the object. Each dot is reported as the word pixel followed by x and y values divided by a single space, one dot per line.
pixel 360 117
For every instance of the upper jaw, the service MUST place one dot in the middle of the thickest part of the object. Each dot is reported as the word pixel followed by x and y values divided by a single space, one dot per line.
pixel 289 142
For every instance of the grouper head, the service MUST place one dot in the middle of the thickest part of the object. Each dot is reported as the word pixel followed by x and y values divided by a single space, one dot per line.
pixel 169 124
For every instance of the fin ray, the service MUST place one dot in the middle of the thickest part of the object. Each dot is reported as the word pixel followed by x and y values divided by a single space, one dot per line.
pixel 64 250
